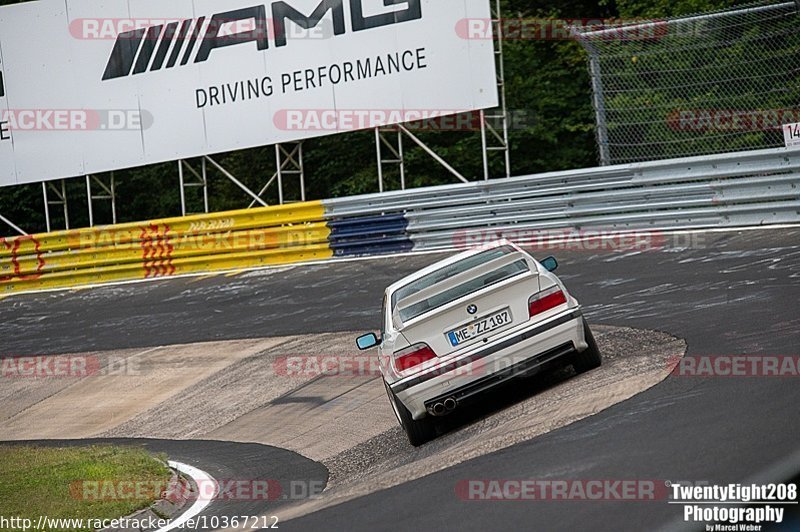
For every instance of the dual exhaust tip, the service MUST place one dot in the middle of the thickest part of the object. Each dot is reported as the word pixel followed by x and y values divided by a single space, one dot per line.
pixel 444 407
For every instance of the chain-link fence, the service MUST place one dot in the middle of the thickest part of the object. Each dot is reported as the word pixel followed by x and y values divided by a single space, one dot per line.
pixel 712 83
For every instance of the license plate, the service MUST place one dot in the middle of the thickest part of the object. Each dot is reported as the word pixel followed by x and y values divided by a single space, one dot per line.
pixel 479 327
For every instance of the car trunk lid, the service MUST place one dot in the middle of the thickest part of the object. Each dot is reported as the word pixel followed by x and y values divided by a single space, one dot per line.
pixel 484 298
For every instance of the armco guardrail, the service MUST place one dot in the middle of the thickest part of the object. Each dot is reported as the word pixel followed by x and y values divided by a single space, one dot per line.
pixel 753 188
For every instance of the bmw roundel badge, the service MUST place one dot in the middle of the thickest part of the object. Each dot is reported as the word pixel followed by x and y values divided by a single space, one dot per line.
pixel 472 309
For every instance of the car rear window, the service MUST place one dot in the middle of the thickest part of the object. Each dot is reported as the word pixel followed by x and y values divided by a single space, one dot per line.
pixel 473 285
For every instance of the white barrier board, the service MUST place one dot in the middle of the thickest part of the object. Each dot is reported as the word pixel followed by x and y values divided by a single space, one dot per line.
pixel 96 85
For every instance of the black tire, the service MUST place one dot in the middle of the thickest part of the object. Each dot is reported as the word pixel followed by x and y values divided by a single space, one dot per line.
pixel 590 358
pixel 418 432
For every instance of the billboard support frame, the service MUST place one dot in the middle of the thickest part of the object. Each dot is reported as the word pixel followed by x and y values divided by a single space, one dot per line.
pixel 433 154
pixel 488 130
pixel 290 162
pixel 109 193
pixel 235 181
pixel 264 189
pixel 286 162
pixel 12 225
pixel 61 200
pixel 202 182
pixel 397 156
pixel 400 154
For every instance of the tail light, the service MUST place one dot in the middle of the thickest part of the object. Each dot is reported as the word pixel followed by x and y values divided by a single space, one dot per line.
pixel 546 300
pixel 413 356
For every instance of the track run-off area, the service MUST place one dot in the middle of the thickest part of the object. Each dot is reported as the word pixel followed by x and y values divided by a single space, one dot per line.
pixel 197 367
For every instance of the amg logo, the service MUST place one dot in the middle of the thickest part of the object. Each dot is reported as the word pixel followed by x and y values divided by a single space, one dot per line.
pixel 134 50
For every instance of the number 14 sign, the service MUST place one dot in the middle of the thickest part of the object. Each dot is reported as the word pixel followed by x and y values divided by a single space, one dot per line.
pixel 791 134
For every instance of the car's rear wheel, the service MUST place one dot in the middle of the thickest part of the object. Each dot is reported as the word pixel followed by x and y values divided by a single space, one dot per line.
pixel 418 431
pixel 590 358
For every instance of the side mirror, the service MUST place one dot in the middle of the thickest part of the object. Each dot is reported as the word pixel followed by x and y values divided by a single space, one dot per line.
pixel 550 264
pixel 368 341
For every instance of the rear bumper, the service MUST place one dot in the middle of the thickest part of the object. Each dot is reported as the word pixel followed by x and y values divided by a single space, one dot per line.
pixel 524 352
pixel 527 367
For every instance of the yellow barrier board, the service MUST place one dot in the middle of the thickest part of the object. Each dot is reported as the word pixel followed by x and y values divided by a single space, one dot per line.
pixel 128 233
pixel 128 272
pixel 162 245
pixel 164 248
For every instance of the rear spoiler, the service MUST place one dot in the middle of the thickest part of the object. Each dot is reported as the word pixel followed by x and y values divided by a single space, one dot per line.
pixel 456 280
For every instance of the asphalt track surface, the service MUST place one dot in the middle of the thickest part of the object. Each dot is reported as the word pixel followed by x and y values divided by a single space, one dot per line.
pixel 725 293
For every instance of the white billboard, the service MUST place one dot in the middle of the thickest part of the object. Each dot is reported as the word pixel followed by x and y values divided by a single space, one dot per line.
pixel 96 85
